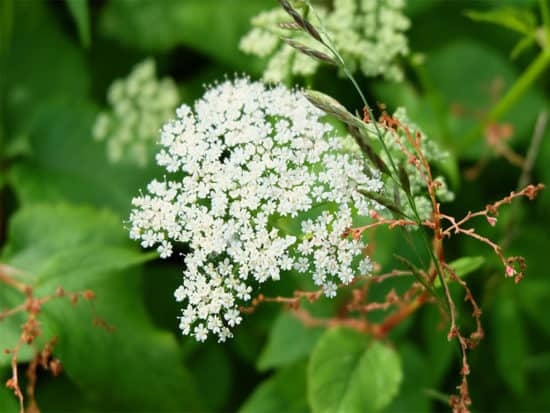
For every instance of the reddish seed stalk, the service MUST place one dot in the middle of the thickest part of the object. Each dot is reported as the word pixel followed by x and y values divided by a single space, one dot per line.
pixel 402 307
pixel 31 330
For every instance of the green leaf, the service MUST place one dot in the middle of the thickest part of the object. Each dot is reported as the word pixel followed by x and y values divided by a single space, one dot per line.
pixel 463 266
pixel 213 28
pixel 523 44
pixel 79 11
pixel 416 378
pixel 510 340
pixel 115 367
pixel 60 246
pixel 520 20
pixel 40 231
pixel 349 373
pixel 213 374
pixel 68 165
pixel 28 87
pixel 82 248
pixel 466 265
pixel 439 352
pixel 289 341
pixel 282 392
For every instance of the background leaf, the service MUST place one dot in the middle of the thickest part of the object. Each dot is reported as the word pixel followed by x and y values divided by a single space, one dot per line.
pixel 79 10
pixel 282 392
pixel 347 373
pixel 519 20
pixel 212 28
pixel 49 244
pixel 288 341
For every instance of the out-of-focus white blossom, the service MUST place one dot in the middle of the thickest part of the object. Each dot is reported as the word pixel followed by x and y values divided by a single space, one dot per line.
pixel 139 105
pixel 258 187
pixel 369 34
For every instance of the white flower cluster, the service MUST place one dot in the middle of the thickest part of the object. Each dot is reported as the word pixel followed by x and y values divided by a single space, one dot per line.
pixel 260 188
pixel 369 34
pixel 140 105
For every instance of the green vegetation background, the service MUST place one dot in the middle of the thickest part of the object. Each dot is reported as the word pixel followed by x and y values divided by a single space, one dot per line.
pixel 63 207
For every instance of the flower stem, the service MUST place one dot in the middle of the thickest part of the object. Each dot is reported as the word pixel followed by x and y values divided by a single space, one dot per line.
pixel 533 71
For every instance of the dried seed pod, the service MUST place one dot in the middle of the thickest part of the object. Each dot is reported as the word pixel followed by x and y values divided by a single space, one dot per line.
pixel 309 51
pixel 332 107
pixel 303 23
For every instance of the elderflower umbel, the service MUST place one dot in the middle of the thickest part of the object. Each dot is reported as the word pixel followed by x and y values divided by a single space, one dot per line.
pixel 258 188
pixel 369 34
pixel 140 104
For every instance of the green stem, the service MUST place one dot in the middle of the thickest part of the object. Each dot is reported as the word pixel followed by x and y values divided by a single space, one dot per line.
pixel 330 45
pixel 506 103
pixel 520 87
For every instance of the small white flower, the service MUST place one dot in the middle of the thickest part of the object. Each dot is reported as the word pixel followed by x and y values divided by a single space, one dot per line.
pixel 365 266
pixel 165 249
pixel 180 293
pixel 201 333
pixel 330 289
pixel 233 317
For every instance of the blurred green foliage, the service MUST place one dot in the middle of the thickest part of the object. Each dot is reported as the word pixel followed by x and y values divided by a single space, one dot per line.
pixel 63 208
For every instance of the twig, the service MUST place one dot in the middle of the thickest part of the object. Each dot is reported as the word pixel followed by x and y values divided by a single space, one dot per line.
pixel 532 152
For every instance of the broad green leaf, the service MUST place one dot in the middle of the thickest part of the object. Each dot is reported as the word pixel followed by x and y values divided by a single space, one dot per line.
pixel 115 367
pixel 213 28
pixel 60 246
pixel 68 165
pixel 214 374
pixel 416 378
pixel 349 373
pixel 282 392
pixel 463 266
pixel 81 16
pixel 289 341
pixel 46 229
pixel 466 265
pixel 439 351
pixel 56 68
pixel 82 248
pixel 510 340
pixel 520 20
pixel 55 394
